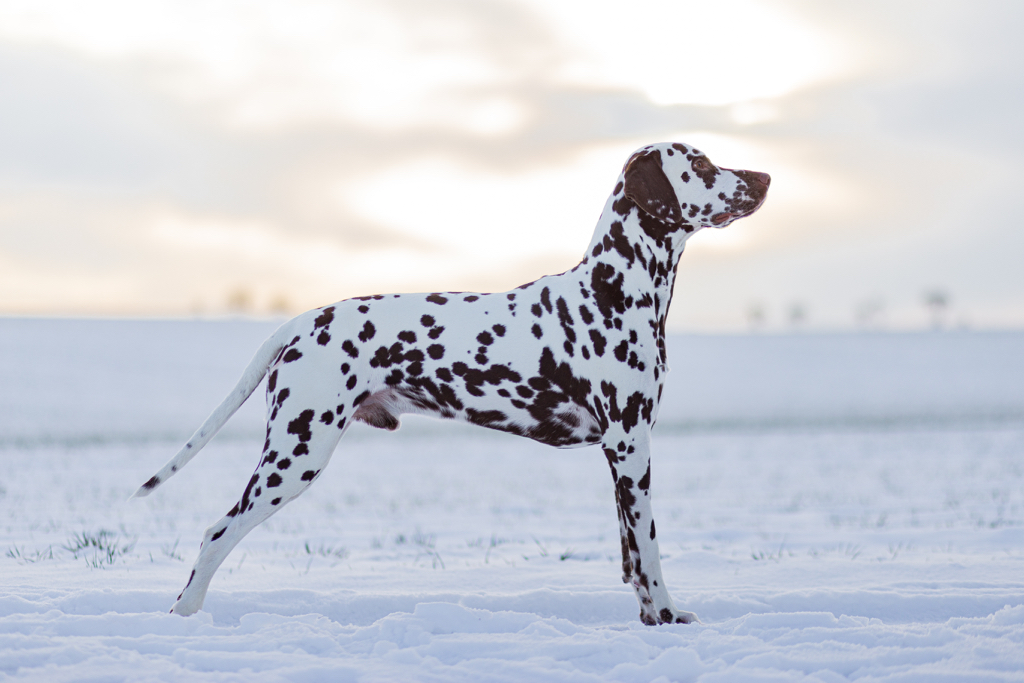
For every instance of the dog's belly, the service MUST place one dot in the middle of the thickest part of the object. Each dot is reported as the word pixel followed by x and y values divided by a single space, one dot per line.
pixel 566 425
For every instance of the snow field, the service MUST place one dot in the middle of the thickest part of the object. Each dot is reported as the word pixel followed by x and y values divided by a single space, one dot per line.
pixel 441 558
pixel 816 541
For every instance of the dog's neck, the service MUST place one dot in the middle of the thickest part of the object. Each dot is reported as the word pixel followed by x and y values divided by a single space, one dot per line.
pixel 631 263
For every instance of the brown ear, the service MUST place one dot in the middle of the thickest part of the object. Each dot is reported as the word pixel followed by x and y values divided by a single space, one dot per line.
pixel 650 189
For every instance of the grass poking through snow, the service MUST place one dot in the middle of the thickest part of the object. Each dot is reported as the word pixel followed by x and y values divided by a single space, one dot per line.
pixel 99 549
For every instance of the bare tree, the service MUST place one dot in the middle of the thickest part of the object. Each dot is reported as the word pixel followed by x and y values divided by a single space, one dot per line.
pixel 937 302
pixel 756 316
pixel 797 315
pixel 869 313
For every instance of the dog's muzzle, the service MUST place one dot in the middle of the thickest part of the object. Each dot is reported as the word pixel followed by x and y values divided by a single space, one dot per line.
pixel 757 189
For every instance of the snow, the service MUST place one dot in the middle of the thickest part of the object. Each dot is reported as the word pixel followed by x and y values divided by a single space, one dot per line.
pixel 833 507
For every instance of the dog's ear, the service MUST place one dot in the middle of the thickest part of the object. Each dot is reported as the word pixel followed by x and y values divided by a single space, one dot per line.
pixel 650 189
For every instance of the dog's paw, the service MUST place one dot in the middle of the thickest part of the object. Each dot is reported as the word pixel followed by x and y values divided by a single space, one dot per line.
pixel 184 609
pixel 667 616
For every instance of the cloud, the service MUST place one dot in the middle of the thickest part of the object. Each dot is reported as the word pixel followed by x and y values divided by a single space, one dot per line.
pixel 286 151
pixel 692 52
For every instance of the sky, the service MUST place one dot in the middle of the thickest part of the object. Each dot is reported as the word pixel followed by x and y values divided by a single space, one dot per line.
pixel 176 159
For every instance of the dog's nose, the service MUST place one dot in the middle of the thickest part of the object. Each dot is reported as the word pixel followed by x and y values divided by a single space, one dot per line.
pixel 763 178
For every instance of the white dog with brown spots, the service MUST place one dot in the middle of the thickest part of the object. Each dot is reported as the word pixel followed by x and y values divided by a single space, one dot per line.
pixel 568 360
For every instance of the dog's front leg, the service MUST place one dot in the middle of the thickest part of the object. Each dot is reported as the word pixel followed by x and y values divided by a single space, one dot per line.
pixel 629 456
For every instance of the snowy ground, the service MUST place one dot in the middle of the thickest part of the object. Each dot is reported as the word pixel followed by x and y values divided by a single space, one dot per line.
pixel 832 507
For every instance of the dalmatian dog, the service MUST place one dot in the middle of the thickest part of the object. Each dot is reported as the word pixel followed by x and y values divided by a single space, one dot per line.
pixel 568 360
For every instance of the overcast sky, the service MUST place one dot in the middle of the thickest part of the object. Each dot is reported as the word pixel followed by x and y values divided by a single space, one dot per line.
pixel 182 158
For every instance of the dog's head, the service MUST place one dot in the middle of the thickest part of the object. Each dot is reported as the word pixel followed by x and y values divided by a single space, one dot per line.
pixel 679 187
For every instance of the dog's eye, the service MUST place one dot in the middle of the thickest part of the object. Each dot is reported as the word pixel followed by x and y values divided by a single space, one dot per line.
pixel 700 165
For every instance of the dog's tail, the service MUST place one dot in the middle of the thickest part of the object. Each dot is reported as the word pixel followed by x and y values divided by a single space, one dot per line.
pixel 251 378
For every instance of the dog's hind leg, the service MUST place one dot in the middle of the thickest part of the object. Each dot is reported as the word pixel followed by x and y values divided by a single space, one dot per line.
pixel 307 441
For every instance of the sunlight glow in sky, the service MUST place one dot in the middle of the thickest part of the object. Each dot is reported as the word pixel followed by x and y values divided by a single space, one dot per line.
pixel 308 151
pixel 490 223
pixel 388 65
pixel 695 52
pixel 395 65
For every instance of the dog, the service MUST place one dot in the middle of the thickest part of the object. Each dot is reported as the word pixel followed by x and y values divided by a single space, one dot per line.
pixel 568 360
